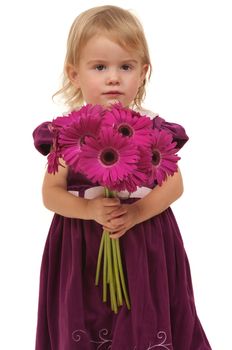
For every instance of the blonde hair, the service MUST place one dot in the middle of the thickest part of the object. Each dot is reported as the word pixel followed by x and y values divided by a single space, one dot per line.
pixel 118 24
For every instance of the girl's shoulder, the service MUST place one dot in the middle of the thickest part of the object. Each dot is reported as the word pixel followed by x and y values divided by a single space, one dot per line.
pixel 176 130
pixel 43 138
pixel 147 112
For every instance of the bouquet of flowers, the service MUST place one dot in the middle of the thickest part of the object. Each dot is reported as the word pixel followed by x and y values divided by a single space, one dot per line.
pixel 119 149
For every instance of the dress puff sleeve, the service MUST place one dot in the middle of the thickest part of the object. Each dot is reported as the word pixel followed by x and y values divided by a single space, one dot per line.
pixel 178 132
pixel 43 138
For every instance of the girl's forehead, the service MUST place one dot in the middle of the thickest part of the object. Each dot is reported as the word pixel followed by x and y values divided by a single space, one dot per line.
pixel 107 45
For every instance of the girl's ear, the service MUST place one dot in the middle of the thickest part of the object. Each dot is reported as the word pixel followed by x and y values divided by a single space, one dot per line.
pixel 73 75
pixel 144 72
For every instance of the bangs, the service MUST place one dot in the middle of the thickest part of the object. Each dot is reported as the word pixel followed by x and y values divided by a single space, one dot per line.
pixel 125 33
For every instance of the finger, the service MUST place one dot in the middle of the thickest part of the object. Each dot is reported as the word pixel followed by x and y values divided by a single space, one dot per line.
pixel 118 221
pixel 113 229
pixel 114 212
pixel 118 212
pixel 111 202
pixel 118 234
pixel 110 214
pixel 117 216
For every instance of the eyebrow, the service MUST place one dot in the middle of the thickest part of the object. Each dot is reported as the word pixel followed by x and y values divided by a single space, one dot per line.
pixel 104 61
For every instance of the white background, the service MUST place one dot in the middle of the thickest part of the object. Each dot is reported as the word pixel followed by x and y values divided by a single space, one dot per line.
pixel 190 44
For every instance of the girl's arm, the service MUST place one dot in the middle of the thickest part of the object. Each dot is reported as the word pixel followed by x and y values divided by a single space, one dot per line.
pixel 158 200
pixel 57 199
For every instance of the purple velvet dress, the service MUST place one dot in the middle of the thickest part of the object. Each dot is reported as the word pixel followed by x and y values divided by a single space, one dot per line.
pixel 71 314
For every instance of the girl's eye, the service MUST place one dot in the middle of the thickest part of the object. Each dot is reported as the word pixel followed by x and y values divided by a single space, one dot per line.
pixel 126 67
pixel 100 67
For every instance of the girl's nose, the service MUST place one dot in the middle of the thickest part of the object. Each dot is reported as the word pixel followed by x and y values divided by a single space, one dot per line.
pixel 113 78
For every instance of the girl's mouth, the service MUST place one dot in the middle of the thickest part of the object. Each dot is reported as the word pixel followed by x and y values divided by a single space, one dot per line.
pixel 113 93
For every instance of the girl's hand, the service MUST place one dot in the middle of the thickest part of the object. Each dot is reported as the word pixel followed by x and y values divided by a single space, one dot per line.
pixel 121 224
pixel 103 210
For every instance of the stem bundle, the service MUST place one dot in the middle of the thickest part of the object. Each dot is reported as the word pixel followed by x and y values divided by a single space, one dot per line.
pixel 113 275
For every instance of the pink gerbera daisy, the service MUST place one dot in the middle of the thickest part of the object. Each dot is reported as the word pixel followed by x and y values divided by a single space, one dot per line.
pixel 69 132
pixel 109 159
pixel 53 161
pixel 140 176
pixel 72 137
pixel 75 115
pixel 164 158
pixel 129 124
pixel 55 152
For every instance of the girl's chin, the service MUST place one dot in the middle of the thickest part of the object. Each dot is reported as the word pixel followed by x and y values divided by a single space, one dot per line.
pixel 111 102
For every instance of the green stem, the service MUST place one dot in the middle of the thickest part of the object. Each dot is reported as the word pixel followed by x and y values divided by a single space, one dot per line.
pixel 116 273
pixel 109 193
pixel 111 279
pixel 121 274
pixel 99 259
pixel 105 233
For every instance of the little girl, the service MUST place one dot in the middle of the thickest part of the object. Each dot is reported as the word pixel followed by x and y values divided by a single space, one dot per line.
pixel 107 60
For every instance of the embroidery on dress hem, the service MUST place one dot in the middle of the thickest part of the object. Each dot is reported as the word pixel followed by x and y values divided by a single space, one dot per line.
pixel 103 333
pixel 76 335
pixel 163 342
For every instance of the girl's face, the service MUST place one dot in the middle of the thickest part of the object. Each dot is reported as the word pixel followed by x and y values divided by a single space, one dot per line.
pixel 107 73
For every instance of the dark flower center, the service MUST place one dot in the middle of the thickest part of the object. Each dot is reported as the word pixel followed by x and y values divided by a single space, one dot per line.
pixel 109 156
pixel 82 138
pixel 155 157
pixel 125 130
